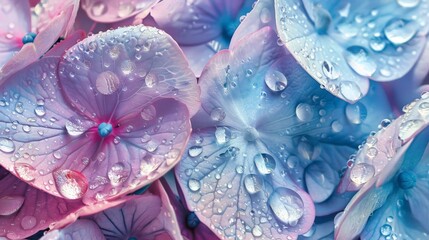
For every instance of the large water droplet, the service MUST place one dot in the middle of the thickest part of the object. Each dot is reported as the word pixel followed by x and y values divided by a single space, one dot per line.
pixel 10 204
pixel 217 114
pixel 408 3
pixel 361 173
pixel 25 171
pixel 223 135
pixel 320 180
pixel 253 183
pixel 74 128
pixel 6 145
pixel 151 80
pixel 194 184
pixel 400 31
pixel 118 173
pixel 28 222
pixel 304 112
pixel 40 111
pixel 386 230
pixel 148 113
pixel 265 163
pixel 70 184
pixel 276 81
pixel 356 113
pixel 359 60
pixel 107 83
pixel 350 91
pixel 329 70
pixel 195 151
pixel 98 9
pixel 286 205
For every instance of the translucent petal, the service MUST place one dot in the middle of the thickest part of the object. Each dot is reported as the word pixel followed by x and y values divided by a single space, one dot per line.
pixel 80 230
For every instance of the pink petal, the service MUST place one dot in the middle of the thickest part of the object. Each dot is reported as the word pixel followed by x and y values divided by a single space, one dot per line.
pixel 59 49
pixel 48 10
pixel 113 11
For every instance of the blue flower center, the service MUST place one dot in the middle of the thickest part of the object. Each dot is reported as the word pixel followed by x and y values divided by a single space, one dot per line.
pixel 104 129
pixel 406 179
pixel 28 38
pixel 192 220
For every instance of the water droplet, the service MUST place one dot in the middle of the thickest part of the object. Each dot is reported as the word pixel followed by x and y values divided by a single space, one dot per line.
pixel 424 108
pixel 321 180
pixel 19 107
pixel 330 71
pixel 172 156
pixel 195 151
pixel 408 128
pixel 151 80
pixel 28 222
pixel 286 205
pixel 304 112
pixel 223 135
pixel 107 83
pixel 114 53
pixel 400 31
pixel 336 126
pixel 408 3
pixel 70 184
pixel 40 111
pixel 358 59
pixel 253 183
pixel 217 114
pixel 10 204
pixel 361 173
pixel 350 91
pixel 356 113
pixel 25 171
pixel 148 113
pixel 265 15
pixel 257 231
pixel 377 44
pixel 98 9
pixel 386 230
pixel 125 9
pixel 6 145
pixel 127 67
pixel 118 173
pixel 194 184
pixel 265 163
pixel 276 81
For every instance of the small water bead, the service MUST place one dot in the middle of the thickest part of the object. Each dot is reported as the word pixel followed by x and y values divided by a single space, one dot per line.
pixel 148 113
pixel 253 183
pixel 70 184
pixel 330 71
pixel 359 60
pixel 25 171
pixel 286 205
pixel 408 3
pixel 223 135
pixel 239 169
pixel 361 173
pixel 377 44
pixel 127 67
pixel 19 107
pixel 28 222
pixel 336 126
pixel 6 145
pixel 151 80
pixel 99 8
pixel 257 231
pixel 400 31
pixel 195 151
pixel 194 184
pixel 107 83
pixel 40 111
pixel 350 91
pixel 217 114
pixel 409 128
pixel 356 113
pixel 265 163
pixel 386 230
pixel 304 112
pixel 276 81
pixel 118 173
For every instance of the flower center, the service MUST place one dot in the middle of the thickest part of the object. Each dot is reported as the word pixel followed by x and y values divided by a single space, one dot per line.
pixel 104 129
pixel 406 179
pixel 28 38
pixel 192 220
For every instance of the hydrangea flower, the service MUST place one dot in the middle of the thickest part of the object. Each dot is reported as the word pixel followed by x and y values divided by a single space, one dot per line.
pixel 343 44
pixel 265 133
pixel 392 203
pixel 25 40
pixel 24 210
pixel 146 216
pixel 115 118
pixel 201 27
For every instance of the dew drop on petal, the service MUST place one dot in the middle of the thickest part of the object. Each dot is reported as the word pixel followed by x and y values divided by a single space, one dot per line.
pixel 6 145
pixel 265 163
pixel 194 184
pixel 253 183
pixel 151 80
pixel 386 230
pixel 125 9
pixel 40 111
pixel 217 114
pixel 127 67
pixel 98 8
pixel 276 81
pixel 409 128
pixel 223 135
pixel 118 173
pixel 356 113
pixel 408 3
pixel 359 60
pixel 350 91
pixel 361 173
pixel 107 83
pixel 286 205
pixel 28 222
pixel 74 129
pixel 148 113
pixel 25 171
pixel 377 44
pixel 304 112
pixel 195 151
pixel 330 71
pixel 400 31
pixel 265 15
pixel 424 108
pixel 257 231
pixel 172 156
pixel 10 204
pixel 70 184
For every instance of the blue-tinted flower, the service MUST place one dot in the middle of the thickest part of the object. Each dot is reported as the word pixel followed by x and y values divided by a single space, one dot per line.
pixel 265 134
pixel 393 167
pixel 343 44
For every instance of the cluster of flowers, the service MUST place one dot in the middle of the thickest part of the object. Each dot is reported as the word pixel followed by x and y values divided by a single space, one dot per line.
pixel 214 119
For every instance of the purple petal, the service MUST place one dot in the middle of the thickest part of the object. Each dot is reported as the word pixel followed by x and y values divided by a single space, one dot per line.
pixel 80 230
